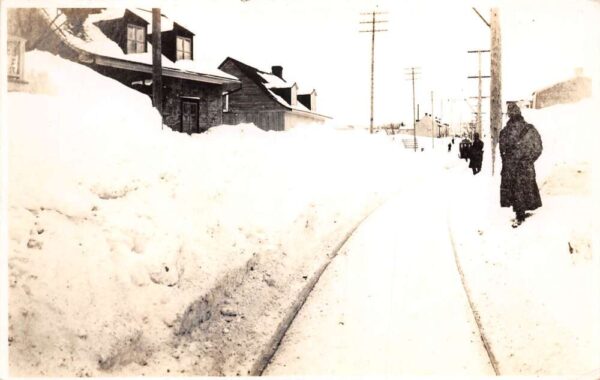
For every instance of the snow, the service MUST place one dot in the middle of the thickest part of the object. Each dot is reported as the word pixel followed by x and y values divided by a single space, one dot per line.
pixel 166 24
pixel 198 67
pixel 299 106
pixel 149 219
pixel 390 303
pixel 114 13
pixel 121 229
pixel 273 81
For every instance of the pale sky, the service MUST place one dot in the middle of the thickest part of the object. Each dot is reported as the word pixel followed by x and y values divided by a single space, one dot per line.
pixel 319 46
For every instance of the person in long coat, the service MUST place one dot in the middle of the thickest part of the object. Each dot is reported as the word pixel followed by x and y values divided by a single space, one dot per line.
pixel 463 148
pixel 520 147
pixel 476 154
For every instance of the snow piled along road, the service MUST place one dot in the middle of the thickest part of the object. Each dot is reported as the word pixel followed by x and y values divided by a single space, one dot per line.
pixel 118 228
pixel 140 251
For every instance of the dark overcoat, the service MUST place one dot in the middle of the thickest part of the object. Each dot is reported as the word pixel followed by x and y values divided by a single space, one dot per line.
pixel 476 154
pixel 520 147
pixel 463 148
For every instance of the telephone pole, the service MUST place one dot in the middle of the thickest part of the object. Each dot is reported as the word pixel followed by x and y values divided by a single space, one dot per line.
pixel 479 77
pixel 156 62
pixel 495 79
pixel 495 83
pixel 410 72
pixel 373 23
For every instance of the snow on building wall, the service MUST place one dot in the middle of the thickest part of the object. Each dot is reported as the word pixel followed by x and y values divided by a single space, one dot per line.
pixel 569 91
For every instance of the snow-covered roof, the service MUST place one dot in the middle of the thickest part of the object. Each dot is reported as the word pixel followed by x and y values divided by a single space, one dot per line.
pixel 273 81
pixel 97 43
pixel 166 24
pixel 269 82
pixel 198 67
pixel 306 91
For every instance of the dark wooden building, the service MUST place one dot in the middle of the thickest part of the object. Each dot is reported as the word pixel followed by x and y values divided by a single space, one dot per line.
pixel 116 43
pixel 267 99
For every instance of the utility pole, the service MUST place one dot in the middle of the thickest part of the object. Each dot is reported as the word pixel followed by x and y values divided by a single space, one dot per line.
pixel 432 123
pixel 373 22
pixel 479 77
pixel 495 83
pixel 411 76
pixel 156 62
pixel 496 79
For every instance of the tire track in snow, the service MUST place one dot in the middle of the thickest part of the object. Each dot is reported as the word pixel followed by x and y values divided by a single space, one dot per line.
pixel 271 349
pixel 482 336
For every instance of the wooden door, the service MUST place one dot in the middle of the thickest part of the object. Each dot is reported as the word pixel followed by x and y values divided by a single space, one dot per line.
pixel 189 116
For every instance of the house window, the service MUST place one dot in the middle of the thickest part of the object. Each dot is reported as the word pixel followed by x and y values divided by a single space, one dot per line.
pixel 226 102
pixel 136 39
pixel 184 48
pixel 15 52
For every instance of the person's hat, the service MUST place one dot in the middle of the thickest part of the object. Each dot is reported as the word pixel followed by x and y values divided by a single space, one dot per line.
pixel 513 108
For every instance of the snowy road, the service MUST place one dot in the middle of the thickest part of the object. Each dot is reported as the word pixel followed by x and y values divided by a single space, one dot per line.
pixel 390 303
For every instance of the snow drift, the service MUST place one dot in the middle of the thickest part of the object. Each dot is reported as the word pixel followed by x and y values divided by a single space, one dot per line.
pixel 136 250
pixel 537 286
pixel 117 225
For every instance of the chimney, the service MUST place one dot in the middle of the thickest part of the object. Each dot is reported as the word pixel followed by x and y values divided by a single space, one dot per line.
pixel 278 71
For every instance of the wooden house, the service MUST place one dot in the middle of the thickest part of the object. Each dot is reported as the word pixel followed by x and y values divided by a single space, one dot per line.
pixel 267 99
pixel 116 43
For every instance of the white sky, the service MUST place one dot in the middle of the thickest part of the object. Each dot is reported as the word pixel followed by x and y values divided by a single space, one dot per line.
pixel 318 44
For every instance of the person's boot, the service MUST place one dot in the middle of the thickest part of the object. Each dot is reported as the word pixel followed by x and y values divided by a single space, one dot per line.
pixel 519 219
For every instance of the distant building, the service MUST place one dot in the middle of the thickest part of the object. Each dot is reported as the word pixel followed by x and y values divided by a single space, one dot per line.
pixel 424 127
pixel 115 42
pixel 267 99
pixel 569 91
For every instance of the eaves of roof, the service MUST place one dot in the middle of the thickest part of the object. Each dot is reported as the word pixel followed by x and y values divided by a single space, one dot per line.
pixel 293 110
pixel 167 71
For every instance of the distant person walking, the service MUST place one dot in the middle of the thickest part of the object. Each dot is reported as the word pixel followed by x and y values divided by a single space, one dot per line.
pixel 476 154
pixel 463 148
pixel 449 147
pixel 520 147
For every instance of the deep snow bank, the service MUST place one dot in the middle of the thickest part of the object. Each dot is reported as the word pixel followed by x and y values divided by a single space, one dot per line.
pixel 537 287
pixel 117 226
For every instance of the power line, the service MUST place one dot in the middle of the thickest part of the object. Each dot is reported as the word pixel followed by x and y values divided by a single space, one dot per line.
pixel 373 31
